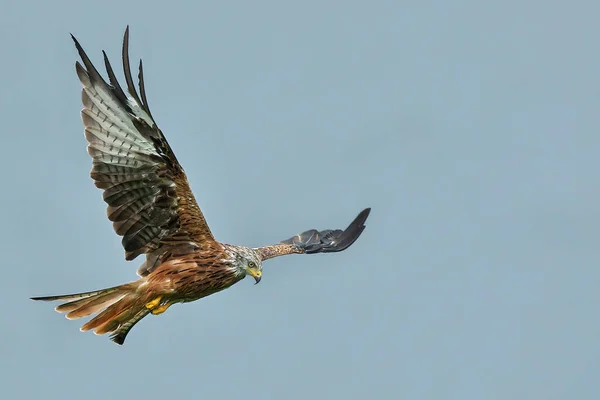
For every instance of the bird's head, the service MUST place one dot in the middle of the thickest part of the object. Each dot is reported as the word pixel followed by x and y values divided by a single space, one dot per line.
pixel 249 262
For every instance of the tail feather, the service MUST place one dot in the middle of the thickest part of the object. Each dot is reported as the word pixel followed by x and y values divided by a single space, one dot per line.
pixel 109 326
pixel 118 309
pixel 120 334
pixel 90 306
pixel 75 296
pixel 111 313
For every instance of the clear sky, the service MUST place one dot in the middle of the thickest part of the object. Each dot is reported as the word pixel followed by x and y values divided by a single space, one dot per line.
pixel 470 127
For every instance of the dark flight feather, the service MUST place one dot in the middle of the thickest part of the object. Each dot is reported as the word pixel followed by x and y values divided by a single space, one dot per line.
pixel 328 240
pixel 149 199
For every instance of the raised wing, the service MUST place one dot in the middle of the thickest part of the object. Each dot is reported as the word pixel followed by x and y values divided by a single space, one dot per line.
pixel 313 241
pixel 149 199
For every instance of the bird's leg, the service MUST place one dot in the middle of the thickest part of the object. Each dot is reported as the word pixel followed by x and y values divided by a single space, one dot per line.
pixel 151 305
pixel 156 308
pixel 160 309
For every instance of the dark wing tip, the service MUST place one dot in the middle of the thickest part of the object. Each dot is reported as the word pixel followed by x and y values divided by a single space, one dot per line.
pixel 127 68
pixel 331 241
pixel 361 217
pixel 89 70
pixel 79 48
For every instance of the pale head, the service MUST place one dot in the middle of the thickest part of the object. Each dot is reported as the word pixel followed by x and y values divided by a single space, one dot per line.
pixel 246 261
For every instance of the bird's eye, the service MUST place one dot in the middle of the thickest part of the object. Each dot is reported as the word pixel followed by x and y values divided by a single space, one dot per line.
pixel 251 264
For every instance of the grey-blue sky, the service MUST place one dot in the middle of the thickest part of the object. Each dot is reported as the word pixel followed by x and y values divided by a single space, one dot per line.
pixel 469 127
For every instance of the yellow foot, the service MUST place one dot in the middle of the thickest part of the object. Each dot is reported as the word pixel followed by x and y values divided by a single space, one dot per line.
pixel 161 309
pixel 151 305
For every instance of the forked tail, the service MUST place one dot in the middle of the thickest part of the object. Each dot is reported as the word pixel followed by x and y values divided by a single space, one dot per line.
pixel 119 308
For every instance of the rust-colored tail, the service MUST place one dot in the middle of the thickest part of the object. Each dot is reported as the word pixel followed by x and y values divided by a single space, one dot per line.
pixel 119 308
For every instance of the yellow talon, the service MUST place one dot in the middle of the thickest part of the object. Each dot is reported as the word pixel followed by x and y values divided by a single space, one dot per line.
pixel 151 305
pixel 161 309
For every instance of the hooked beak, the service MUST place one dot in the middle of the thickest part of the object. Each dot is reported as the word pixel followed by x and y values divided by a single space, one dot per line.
pixel 256 274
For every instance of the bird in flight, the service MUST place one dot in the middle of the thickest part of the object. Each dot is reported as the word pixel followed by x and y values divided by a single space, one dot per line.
pixel 152 207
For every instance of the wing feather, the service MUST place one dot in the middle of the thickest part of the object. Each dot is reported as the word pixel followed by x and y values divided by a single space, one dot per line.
pixel 314 241
pixel 146 190
pixel 127 68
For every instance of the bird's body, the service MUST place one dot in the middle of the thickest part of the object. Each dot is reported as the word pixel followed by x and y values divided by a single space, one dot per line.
pixel 153 208
pixel 194 276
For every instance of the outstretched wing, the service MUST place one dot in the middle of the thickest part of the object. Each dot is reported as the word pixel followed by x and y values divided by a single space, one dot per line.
pixel 149 199
pixel 313 241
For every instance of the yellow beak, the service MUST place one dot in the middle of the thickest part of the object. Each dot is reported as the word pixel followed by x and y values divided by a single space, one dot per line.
pixel 256 274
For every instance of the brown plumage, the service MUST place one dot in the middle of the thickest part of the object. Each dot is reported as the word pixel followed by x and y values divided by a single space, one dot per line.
pixel 153 208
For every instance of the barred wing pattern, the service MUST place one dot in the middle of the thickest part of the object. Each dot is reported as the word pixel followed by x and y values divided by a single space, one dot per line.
pixel 149 199
pixel 314 241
